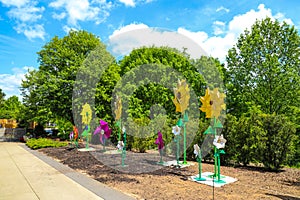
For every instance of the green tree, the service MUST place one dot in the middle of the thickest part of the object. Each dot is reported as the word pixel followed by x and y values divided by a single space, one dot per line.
pixel 148 76
pixel 33 91
pixel 2 97
pixel 263 69
pixel 11 108
pixel 48 90
pixel 156 61
pixel 2 100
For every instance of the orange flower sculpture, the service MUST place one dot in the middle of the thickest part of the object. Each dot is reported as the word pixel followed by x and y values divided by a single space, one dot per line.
pixel 181 96
pixel 212 103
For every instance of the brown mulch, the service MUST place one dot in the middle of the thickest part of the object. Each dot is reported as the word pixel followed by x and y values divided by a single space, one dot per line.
pixel 174 183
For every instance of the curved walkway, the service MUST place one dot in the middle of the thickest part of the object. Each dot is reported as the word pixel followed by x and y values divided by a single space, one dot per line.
pixel 27 174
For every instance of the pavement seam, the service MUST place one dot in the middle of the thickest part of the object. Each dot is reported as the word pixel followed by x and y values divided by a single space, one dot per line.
pixel 22 173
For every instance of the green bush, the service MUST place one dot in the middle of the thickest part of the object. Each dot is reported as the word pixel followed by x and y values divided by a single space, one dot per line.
pixel 256 137
pixel 43 143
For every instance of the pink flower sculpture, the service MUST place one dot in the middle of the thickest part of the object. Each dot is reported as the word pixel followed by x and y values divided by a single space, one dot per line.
pixel 104 131
pixel 159 141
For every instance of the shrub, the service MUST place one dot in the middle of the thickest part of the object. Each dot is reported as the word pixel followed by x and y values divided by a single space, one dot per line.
pixel 260 138
pixel 43 143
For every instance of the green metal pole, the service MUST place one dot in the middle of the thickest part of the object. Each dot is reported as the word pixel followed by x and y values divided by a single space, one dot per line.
pixel 216 161
pixel 219 174
pixel 119 129
pixel 124 150
pixel 177 153
pixel 215 148
pixel 184 144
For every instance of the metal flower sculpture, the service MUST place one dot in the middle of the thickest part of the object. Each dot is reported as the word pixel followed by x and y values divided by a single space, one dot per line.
pixel 218 104
pixel 86 114
pixel 212 103
pixel 104 131
pixel 219 142
pixel 176 130
pixel 71 136
pixel 120 145
pixel 118 108
pixel 181 96
pixel 197 152
pixel 206 104
pixel 181 101
pixel 76 135
pixel 118 113
pixel 159 141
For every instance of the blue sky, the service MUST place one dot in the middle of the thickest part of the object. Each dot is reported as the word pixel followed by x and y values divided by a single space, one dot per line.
pixel 26 25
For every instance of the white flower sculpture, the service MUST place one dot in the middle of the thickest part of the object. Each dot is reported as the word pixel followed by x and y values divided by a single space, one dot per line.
pixel 120 145
pixel 196 150
pixel 219 142
pixel 176 130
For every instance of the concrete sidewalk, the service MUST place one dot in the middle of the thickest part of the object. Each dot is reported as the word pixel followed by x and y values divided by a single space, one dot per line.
pixel 27 174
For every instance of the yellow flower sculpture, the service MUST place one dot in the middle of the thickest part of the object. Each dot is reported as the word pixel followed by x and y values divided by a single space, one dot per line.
pixel 206 104
pixel 118 108
pixel 182 96
pixel 212 103
pixel 86 114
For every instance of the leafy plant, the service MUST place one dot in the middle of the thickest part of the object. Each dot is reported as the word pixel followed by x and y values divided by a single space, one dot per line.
pixel 44 143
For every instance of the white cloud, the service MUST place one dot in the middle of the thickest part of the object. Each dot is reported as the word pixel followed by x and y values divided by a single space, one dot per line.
pixel 219 27
pixel 133 36
pixel 31 31
pixel 130 3
pixel 222 9
pixel 133 3
pixel 27 14
pixel 59 16
pixel 17 3
pixel 123 40
pixel 81 10
pixel 127 28
pixel 67 29
pixel 244 21
pixel 198 37
pixel 10 83
pixel 281 17
pixel 218 46
pixel 36 31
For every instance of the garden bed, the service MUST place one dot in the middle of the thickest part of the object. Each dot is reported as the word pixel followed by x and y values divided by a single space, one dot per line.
pixel 174 183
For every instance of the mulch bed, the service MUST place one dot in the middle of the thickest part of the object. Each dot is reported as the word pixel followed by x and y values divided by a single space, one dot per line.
pixel 147 180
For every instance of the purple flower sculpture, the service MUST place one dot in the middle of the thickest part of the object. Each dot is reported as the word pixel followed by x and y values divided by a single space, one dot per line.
pixel 159 141
pixel 104 131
